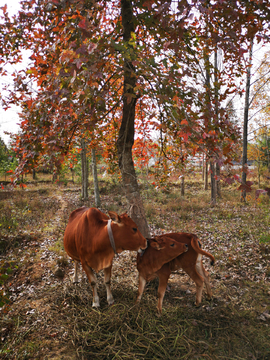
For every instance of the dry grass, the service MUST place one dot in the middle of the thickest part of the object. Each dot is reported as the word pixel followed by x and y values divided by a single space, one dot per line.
pixel 47 317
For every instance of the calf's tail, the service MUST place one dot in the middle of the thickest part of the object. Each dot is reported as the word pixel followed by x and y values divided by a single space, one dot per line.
pixel 197 247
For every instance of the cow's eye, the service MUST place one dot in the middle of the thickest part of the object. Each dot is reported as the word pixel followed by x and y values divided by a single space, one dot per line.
pixel 134 229
pixel 172 245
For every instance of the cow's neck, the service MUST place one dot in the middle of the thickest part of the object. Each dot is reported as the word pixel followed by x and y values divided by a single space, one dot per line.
pixel 109 227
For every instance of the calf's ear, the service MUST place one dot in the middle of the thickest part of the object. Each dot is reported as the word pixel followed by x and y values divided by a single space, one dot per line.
pixel 114 216
pixel 156 245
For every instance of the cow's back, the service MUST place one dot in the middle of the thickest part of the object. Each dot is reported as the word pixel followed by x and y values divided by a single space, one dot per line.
pixel 81 224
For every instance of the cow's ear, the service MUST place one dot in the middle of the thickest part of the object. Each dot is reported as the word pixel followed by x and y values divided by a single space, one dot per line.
pixel 114 216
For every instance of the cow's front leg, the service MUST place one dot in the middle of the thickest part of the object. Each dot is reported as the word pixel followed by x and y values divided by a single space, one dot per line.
pixel 93 281
pixel 107 281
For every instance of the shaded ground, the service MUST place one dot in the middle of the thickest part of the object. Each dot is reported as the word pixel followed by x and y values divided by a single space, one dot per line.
pixel 45 316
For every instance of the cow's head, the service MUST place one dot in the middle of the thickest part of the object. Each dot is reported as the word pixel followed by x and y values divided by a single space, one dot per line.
pixel 126 233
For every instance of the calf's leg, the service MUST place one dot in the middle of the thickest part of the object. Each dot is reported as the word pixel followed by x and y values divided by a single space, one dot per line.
pixel 163 280
pixel 204 274
pixel 198 279
pixel 207 283
pixel 107 281
pixel 142 283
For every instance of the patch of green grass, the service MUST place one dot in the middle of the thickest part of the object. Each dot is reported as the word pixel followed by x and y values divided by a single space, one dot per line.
pixel 29 350
pixel 58 247
pixel 264 239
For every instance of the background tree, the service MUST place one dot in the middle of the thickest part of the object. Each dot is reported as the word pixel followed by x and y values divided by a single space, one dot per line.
pixel 255 152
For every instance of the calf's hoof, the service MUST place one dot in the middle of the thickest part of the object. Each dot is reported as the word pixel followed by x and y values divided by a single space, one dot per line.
pixel 159 312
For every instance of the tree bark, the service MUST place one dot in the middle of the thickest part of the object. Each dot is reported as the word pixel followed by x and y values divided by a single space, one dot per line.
pixel 245 126
pixel 203 168
pixel 206 176
pixel 213 183
pixel 218 189
pixel 126 134
pixel 84 171
pixel 208 115
pixel 95 177
pixel 183 186
pixel 218 181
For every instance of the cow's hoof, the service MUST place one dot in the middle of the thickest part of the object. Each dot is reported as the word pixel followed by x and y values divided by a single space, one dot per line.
pixel 95 305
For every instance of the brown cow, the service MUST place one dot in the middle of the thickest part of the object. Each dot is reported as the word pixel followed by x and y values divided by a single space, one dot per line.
pixel 190 262
pixel 93 238
pixel 160 250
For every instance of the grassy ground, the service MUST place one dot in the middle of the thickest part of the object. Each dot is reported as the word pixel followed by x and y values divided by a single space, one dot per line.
pixel 45 316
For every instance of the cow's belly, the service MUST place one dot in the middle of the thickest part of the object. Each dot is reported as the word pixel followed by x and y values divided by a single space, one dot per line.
pixel 70 244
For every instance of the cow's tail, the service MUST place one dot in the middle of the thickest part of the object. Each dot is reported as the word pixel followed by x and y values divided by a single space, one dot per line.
pixel 197 247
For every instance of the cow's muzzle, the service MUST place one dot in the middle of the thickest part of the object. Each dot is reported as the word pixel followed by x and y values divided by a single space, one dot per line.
pixel 141 251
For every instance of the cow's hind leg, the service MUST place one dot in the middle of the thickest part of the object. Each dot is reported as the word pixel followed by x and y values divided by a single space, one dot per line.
pixel 107 281
pixel 93 281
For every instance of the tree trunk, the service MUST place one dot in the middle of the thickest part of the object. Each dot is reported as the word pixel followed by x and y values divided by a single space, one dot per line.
pixel 126 134
pixel 84 171
pixel 213 183
pixel 183 186
pixel 55 175
pixel 72 175
pixel 203 168
pixel 206 176
pixel 267 150
pixel 95 177
pixel 218 181
pixel 217 117
pixel 245 126
pixel 208 115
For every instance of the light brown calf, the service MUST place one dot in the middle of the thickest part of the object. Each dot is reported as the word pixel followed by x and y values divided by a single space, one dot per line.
pixel 160 250
pixel 190 262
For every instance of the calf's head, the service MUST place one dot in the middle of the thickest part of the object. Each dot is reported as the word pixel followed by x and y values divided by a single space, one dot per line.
pixel 169 248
